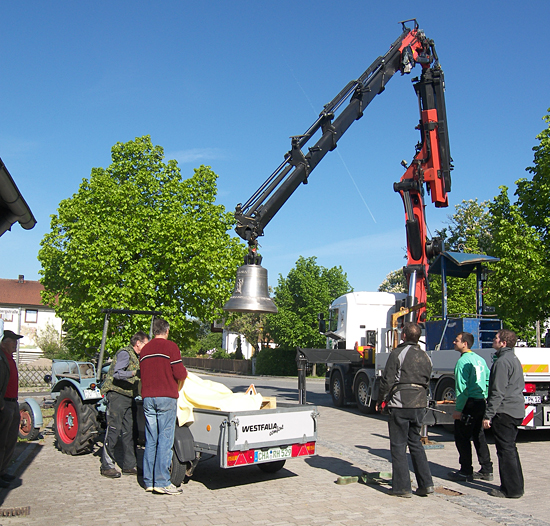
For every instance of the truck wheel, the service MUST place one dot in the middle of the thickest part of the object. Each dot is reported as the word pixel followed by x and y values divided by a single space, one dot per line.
pixel 272 467
pixel 75 423
pixel 27 431
pixel 177 470
pixel 337 389
pixel 445 390
pixel 361 395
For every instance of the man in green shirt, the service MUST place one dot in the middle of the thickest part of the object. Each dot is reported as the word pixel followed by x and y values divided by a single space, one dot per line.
pixel 471 387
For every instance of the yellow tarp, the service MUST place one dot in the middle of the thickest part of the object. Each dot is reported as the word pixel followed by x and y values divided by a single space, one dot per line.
pixel 206 394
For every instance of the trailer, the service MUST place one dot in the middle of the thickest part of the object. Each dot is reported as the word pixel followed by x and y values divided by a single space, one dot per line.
pixel 265 438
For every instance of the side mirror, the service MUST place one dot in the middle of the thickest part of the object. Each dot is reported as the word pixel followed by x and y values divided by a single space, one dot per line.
pixel 322 323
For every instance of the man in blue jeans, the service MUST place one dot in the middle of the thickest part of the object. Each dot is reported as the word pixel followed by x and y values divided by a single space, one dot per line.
pixel 162 374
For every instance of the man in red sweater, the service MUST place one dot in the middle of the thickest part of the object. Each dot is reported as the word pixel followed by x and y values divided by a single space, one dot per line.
pixel 162 373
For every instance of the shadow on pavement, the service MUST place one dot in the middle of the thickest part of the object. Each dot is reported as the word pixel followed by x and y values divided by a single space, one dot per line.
pixel 213 477
pixel 338 466
pixel 25 453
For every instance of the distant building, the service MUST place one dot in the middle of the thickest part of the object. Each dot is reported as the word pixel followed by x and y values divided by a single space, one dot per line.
pixel 22 310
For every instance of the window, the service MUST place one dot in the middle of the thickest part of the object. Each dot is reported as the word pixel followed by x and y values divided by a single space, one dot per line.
pixel 6 317
pixel 31 316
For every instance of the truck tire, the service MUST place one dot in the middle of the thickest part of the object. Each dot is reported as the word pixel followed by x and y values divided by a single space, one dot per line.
pixel 337 389
pixel 361 395
pixel 272 467
pixel 75 424
pixel 27 431
pixel 177 470
pixel 445 390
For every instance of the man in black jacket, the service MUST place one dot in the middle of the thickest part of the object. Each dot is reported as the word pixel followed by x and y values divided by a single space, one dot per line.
pixel 505 412
pixel 404 387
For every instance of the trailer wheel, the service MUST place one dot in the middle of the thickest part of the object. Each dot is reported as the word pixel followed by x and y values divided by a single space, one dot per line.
pixel 361 395
pixel 445 390
pixel 75 423
pixel 177 470
pixel 272 467
pixel 337 389
pixel 27 431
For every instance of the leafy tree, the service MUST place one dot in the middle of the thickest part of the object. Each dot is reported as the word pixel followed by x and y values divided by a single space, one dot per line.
pixel 206 342
pixel 51 342
pixel 534 195
pixel 307 291
pixel 469 231
pixel 469 228
pixel 522 277
pixel 394 282
pixel 138 236
pixel 521 233
pixel 250 324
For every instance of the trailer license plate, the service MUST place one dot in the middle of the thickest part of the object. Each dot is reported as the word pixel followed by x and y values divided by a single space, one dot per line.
pixel 532 399
pixel 275 453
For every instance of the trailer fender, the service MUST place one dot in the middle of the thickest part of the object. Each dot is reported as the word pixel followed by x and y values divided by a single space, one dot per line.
pixel 184 444
pixel 36 411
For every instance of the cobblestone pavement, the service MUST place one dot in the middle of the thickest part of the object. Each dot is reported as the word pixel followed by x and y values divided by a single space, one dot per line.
pixel 69 491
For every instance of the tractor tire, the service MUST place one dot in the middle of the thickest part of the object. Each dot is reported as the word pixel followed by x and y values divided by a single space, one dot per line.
pixel 75 423
pixel 272 467
pixel 361 391
pixel 337 389
pixel 27 431
pixel 177 470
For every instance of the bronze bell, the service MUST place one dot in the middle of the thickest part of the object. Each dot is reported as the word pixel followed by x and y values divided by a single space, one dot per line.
pixel 251 293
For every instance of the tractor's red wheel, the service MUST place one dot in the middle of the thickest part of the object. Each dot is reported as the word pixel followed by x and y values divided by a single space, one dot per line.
pixel 75 423
pixel 67 421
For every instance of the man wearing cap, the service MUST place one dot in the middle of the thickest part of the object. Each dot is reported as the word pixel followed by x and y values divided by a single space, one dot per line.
pixel 9 413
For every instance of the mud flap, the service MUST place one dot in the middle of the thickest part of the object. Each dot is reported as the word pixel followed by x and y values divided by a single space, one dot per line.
pixel 184 444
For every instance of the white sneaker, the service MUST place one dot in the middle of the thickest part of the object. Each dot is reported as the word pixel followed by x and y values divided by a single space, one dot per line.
pixel 149 488
pixel 168 490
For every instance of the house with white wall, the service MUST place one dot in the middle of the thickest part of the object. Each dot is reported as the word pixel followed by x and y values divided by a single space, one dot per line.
pixel 23 312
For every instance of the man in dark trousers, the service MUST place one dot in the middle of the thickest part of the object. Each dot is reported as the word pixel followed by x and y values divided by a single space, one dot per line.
pixel 505 412
pixel 471 387
pixel 162 374
pixel 9 410
pixel 404 389
pixel 120 388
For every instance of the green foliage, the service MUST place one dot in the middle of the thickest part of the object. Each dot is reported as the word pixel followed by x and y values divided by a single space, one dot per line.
pixel 469 231
pixel 522 277
pixel 250 325
pixel 469 228
pixel 51 343
pixel 394 282
pixel 206 342
pixel 521 234
pixel 276 362
pixel 534 195
pixel 222 354
pixel 307 291
pixel 138 236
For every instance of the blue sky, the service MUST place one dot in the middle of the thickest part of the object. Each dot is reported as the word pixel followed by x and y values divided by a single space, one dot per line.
pixel 226 84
